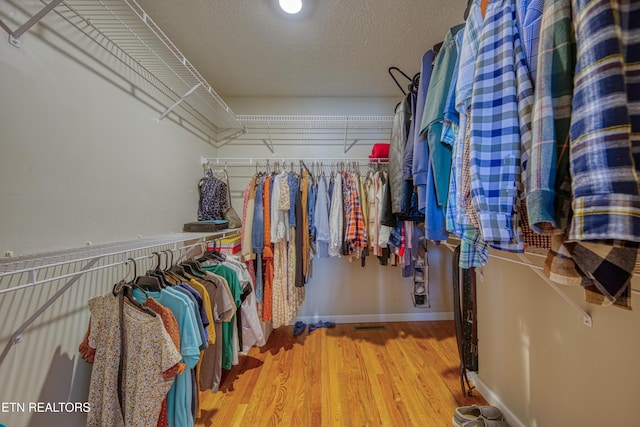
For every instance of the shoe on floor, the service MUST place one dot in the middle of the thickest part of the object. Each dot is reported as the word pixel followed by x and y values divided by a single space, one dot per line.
pixel 321 324
pixel 299 328
pixel 479 416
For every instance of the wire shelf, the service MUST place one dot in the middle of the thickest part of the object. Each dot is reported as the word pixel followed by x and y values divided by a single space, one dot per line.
pixel 29 266
pixel 124 29
pixel 326 123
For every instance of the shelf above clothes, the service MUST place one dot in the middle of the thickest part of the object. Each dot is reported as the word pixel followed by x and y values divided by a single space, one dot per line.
pixel 27 267
pixel 287 129
pixel 123 29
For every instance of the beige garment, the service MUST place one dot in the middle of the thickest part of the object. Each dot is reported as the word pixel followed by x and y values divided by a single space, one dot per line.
pixel 292 306
pixel 279 301
pixel 247 223
pixel 149 352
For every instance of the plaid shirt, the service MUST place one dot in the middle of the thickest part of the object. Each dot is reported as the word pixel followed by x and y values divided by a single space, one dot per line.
pixel 473 250
pixel 529 19
pixel 500 118
pixel 356 230
pixel 467 62
pixel 605 125
pixel 546 174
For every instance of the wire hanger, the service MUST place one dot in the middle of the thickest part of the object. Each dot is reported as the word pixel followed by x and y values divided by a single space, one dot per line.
pixel 390 69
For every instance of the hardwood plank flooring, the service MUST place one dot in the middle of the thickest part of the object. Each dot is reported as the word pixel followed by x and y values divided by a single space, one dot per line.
pixel 391 374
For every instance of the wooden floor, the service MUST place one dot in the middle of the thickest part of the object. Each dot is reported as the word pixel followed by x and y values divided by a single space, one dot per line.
pixel 405 374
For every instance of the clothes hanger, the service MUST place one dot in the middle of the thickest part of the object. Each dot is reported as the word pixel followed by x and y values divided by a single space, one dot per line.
pixel 214 254
pixel 158 272
pixel 195 267
pixel 390 69
pixel 126 288
pixel 139 281
pixel 415 83
pixel 192 267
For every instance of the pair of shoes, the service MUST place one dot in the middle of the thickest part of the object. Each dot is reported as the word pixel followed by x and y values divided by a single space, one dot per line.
pixel 299 328
pixel 321 324
pixel 478 416
pixel 420 290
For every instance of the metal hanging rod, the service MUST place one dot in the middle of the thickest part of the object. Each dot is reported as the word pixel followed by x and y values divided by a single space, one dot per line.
pixel 229 161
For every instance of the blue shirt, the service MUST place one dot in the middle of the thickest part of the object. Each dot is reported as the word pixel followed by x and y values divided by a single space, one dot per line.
pixel 195 297
pixel 180 394
pixel 433 115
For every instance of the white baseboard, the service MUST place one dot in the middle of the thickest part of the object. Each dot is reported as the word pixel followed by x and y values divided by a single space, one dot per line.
pixel 369 318
pixel 494 400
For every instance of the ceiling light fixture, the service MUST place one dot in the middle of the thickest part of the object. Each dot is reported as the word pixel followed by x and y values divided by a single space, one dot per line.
pixel 291 6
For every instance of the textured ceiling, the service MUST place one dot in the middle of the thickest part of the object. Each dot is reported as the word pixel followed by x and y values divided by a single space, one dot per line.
pixel 332 48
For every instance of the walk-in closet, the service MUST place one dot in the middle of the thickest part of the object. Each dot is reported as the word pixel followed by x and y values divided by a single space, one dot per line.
pixel 319 213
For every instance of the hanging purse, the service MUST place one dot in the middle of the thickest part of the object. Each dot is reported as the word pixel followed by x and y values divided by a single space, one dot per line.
pixel 230 214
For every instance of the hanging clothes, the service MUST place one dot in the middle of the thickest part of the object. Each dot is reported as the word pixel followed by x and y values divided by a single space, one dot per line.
pixel 399 135
pixel 180 395
pixel 336 218
pixel 356 232
pixel 494 101
pixel 210 372
pixel 213 201
pixel 546 176
pixel 474 250
pixel 433 113
pixel 228 328
pixel 323 236
pixel 306 243
pixel 147 373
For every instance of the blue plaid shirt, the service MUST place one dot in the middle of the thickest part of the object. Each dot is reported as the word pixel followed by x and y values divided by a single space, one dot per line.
pixel 473 250
pixel 529 20
pixel 500 118
pixel 605 124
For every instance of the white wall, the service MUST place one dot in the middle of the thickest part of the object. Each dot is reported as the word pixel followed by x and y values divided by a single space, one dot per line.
pixel 537 358
pixel 82 158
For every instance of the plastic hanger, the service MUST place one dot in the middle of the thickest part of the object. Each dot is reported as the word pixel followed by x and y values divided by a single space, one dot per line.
pixel 126 288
